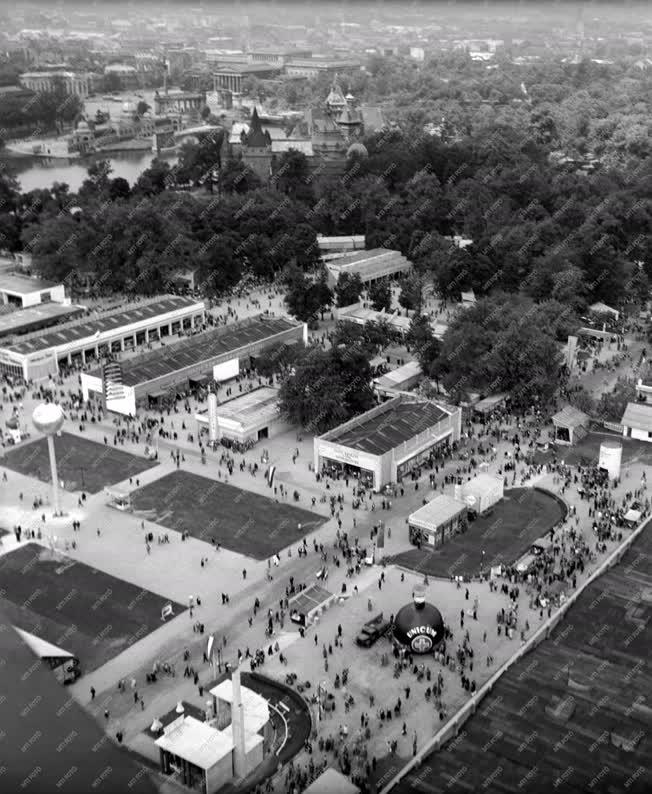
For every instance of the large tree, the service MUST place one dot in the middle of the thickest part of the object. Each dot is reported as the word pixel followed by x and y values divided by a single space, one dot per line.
pixel 502 344
pixel 348 289
pixel 380 295
pixel 326 388
pixel 306 298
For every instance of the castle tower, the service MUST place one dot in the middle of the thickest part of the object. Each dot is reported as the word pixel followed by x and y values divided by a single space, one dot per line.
pixel 335 101
pixel 257 148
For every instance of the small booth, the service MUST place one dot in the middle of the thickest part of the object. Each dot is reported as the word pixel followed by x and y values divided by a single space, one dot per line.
pixel 485 407
pixel 64 664
pixel 437 521
pixel 402 379
pixel 419 626
pixel 309 602
pixel 481 493
pixel 207 751
pixel 120 500
pixel 570 424
pixel 637 421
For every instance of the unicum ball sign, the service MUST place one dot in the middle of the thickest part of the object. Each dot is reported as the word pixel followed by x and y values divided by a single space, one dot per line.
pixel 422 638
pixel 419 626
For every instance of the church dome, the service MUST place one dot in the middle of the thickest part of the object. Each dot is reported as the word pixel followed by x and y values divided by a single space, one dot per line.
pixel 83 126
pixel 128 108
pixel 357 149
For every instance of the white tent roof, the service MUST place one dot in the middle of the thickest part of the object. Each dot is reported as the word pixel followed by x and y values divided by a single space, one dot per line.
pixel 638 415
pixel 482 484
pixel 42 648
pixel 197 742
pixel 396 377
pixel 443 508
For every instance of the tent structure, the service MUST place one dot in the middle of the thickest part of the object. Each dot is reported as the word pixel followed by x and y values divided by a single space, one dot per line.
pixel 489 404
pixel 570 425
pixel 637 421
pixel 436 521
pixel 602 308
pixel 481 493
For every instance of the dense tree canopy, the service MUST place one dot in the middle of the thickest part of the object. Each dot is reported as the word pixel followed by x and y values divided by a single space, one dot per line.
pixel 327 387
pixel 502 343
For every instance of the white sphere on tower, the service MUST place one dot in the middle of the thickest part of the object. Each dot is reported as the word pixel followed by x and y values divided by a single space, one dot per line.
pixel 48 418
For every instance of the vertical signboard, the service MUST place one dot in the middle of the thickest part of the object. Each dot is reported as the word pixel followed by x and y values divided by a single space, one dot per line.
pixel 212 416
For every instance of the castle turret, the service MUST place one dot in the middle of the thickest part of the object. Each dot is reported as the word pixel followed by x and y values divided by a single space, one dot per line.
pixel 257 148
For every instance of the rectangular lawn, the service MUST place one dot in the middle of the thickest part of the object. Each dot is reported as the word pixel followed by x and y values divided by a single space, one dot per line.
pixel 83 465
pixel 239 520
pixel 78 608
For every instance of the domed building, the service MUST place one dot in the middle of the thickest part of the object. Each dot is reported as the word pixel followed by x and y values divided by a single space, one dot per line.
pixel 82 139
pixel 419 626
pixel 357 149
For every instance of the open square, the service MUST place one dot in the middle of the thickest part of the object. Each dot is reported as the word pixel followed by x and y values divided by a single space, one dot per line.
pixel 78 608
pixel 83 465
pixel 503 534
pixel 239 520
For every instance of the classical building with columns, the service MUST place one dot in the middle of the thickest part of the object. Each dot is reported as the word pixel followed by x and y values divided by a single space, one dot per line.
pixel 231 77
pixel 79 84
pixel 187 103
pixel 40 354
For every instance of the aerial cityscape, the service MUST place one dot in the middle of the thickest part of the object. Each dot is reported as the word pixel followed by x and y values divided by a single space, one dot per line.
pixel 326 410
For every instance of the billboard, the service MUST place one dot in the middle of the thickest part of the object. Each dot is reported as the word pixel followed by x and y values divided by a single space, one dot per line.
pixel 118 398
pixel 227 370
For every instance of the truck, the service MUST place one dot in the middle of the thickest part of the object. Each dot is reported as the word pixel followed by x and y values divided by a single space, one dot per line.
pixel 372 631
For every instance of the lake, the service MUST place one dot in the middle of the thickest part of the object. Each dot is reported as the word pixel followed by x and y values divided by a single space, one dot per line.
pixel 37 172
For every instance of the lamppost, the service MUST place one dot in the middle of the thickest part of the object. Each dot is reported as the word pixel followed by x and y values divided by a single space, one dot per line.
pixel 48 419
pixel 83 484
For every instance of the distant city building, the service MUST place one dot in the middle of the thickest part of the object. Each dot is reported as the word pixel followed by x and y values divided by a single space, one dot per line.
pixel 126 74
pixel 184 102
pixel 277 57
pixel 231 76
pixel 312 67
pixel 79 84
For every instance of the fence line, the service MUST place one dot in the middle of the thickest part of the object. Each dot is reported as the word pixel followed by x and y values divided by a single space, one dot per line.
pixel 451 728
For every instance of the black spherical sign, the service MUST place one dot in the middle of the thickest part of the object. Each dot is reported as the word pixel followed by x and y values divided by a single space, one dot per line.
pixel 419 626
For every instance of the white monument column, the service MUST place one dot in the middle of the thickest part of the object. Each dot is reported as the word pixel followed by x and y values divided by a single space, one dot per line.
pixel 48 419
pixel 237 727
